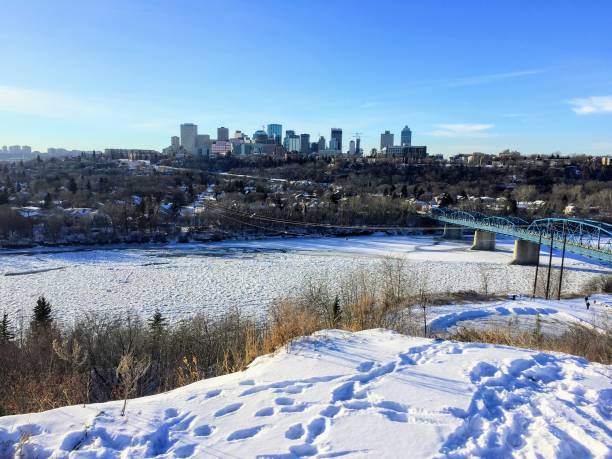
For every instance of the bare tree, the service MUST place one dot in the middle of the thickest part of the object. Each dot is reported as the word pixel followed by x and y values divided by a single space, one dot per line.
pixel 130 370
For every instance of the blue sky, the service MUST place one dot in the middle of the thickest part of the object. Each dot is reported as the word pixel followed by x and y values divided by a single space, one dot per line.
pixel 464 75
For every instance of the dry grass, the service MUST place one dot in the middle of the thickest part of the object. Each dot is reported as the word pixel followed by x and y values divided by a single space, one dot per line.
pixel 594 344
pixel 82 369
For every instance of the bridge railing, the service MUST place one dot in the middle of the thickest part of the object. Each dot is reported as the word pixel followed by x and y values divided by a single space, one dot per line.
pixel 585 237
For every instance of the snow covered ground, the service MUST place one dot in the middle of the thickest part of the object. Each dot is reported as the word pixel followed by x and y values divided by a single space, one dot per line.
pixel 181 280
pixel 522 313
pixel 339 394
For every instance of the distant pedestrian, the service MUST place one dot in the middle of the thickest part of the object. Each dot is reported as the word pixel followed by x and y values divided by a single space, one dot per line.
pixel 586 301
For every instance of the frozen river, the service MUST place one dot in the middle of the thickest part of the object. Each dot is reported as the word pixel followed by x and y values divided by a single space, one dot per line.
pixel 181 280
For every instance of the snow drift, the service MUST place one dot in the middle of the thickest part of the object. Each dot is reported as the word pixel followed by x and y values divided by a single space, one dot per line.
pixel 368 394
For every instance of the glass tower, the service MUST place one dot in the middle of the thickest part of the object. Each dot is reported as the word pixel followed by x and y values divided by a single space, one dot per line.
pixel 275 131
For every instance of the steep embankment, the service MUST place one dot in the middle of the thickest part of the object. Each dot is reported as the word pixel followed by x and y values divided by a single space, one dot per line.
pixel 367 394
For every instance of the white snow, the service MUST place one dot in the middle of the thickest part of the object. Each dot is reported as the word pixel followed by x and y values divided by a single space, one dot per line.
pixel 181 280
pixel 338 394
pixel 522 312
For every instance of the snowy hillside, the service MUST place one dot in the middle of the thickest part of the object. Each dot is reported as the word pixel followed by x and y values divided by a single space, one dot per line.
pixel 368 394
pixel 522 312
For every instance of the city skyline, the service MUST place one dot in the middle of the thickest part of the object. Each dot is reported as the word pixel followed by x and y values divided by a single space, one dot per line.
pixel 464 78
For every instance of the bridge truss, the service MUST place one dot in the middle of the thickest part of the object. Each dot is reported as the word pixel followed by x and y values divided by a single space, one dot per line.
pixel 592 239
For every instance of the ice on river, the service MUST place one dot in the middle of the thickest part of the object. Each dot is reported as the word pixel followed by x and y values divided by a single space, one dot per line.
pixel 183 279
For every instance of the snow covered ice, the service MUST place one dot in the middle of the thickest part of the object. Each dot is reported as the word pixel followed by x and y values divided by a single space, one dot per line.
pixel 181 280
pixel 340 394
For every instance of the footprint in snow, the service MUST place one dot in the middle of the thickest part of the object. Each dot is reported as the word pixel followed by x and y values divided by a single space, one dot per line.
pixel 365 366
pixel 294 408
pixel 228 409
pixel 243 434
pixel 269 411
pixel 284 401
pixel 294 432
pixel 212 393
pixel 330 411
pixel 203 430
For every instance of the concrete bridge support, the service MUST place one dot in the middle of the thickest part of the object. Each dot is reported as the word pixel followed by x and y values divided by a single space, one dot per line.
pixel 483 240
pixel 452 232
pixel 526 253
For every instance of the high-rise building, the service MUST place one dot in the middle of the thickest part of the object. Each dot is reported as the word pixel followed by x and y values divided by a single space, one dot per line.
pixel 223 134
pixel 175 141
pixel 336 134
pixel 275 131
pixel 352 147
pixel 293 142
pixel 288 134
pixel 321 143
pixel 406 137
pixel 304 144
pixel 189 133
pixel 386 140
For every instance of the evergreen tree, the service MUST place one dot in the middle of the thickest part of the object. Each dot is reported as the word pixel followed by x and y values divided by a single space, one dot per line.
pixel 6 329
pixel 42 316
pixel 157 323
pixel 336 311
pixel 72 185
pixel 48 201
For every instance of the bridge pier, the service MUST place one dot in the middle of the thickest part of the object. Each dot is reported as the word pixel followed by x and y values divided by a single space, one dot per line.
pixel 483 240
pixel 452 232
pixel 526 253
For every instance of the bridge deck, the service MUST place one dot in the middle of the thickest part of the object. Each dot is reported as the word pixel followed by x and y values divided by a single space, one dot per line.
pixel 595 248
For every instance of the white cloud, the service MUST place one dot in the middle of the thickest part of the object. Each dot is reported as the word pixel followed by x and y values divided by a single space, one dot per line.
pixel 489 78
pixel 591 105
pixel 462 130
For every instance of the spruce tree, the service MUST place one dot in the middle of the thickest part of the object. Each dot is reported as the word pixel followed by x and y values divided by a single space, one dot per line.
pixel 157 323
pixel 42 316
pixel 6 329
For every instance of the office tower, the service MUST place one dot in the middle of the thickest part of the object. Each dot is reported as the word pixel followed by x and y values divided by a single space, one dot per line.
pixel 293 142
pixel 304 144
pixel 321 143
pixel 352 147
pixel 189 133
pixel 358 146
pixel 238 135
pixel 223 134
pixel 336 134
pixel 275 131
pixel 314 147
pixel 288 134
pixel 203 144
pixel 175 142
pixel 386 140
pixel 406 137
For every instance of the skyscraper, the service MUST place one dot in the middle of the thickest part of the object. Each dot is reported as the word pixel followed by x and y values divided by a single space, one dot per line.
pixel 321 143
pixel 288 134
pixel 406 138
pixel 304 144
pixel 223 133
pixel 189 133
pixel 352 147
pixel 175 142
pixel 386 140
pixel 275 131
pixel 336 134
